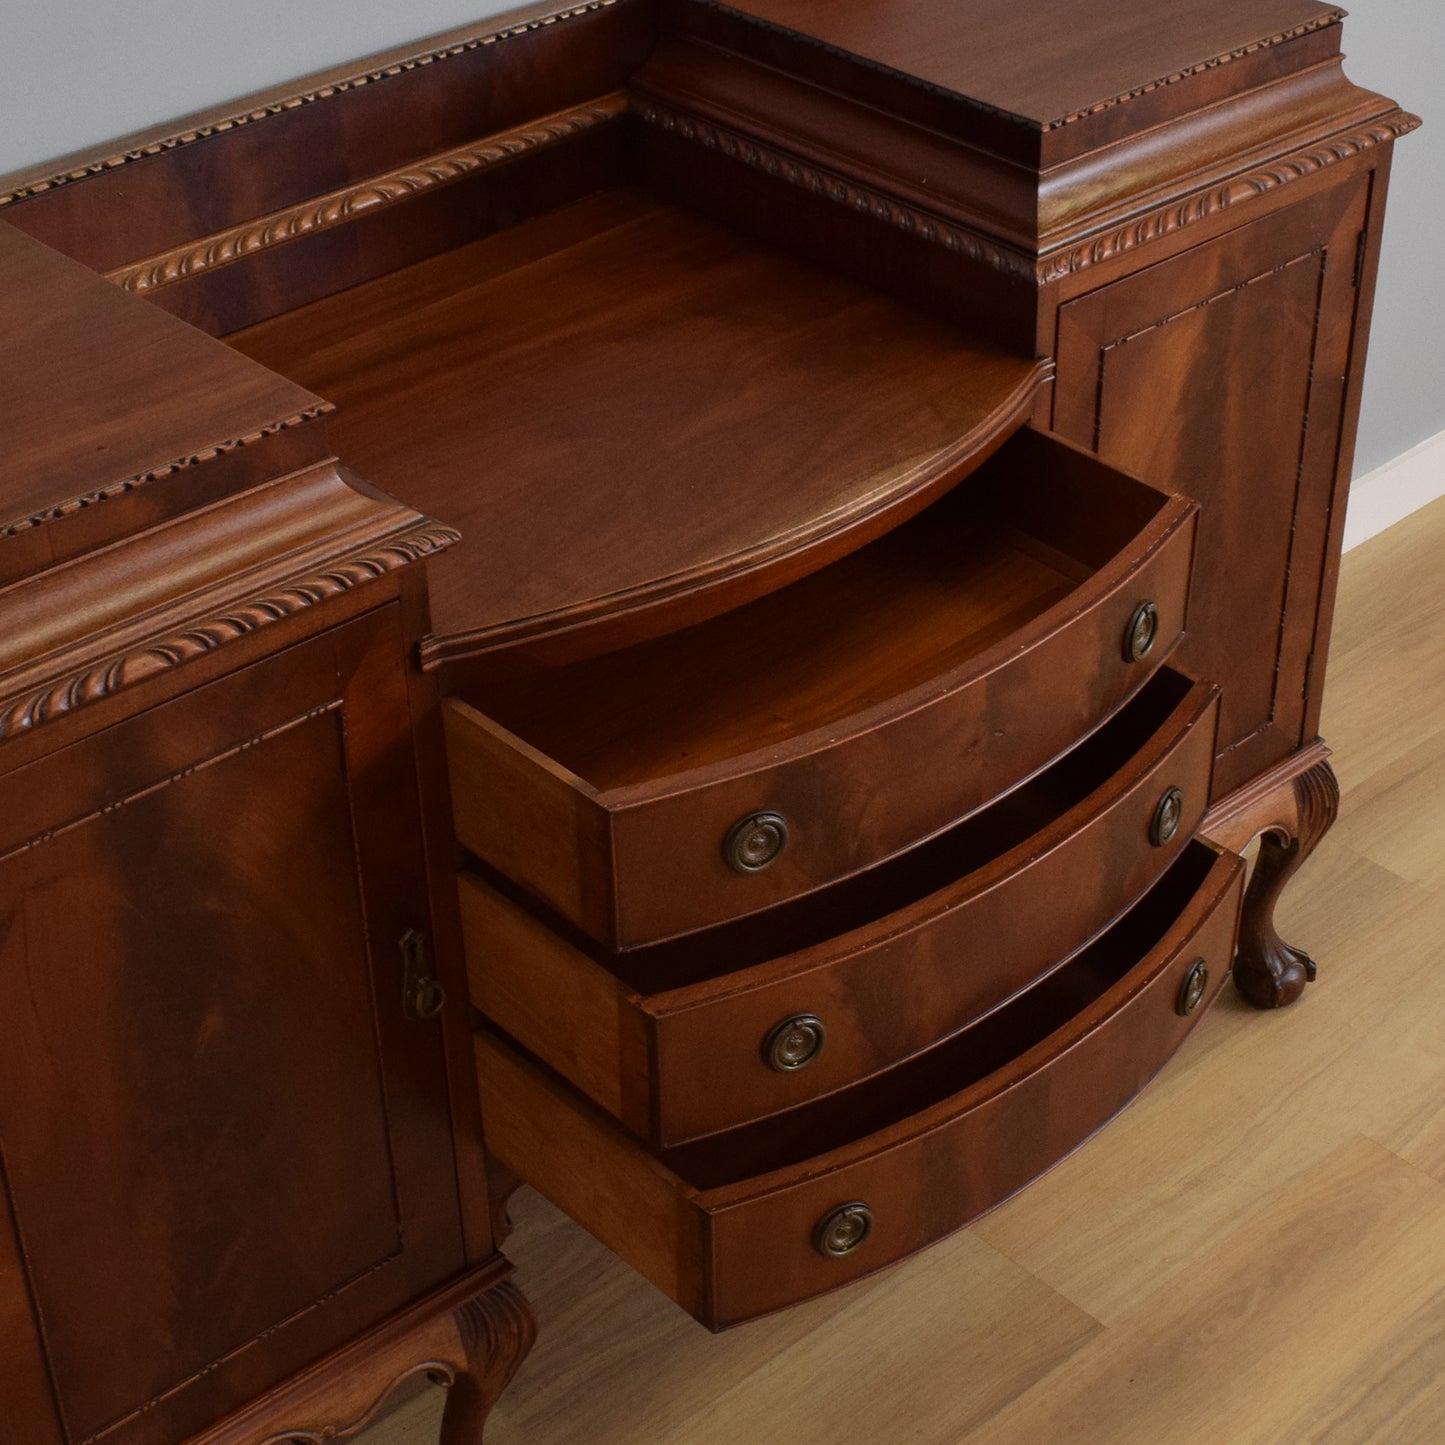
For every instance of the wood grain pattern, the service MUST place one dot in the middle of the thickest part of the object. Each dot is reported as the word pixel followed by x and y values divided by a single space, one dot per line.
pixel 349 204
pixel 631 364
pixel 1255 441
pixel 928 1148
pixel 104 397
pixel 824 700
pixel 1051 864
pixel 193 585
pixel 1210 1183
pixel 989 56
pixel 338 85
pixel 236 1143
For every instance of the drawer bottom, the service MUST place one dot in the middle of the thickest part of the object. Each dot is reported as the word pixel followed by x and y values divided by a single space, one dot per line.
pixel 771 1214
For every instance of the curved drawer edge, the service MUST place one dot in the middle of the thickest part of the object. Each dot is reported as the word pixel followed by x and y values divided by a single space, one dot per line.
pixel 693 594
pixel 678 1063
pixel 735 1251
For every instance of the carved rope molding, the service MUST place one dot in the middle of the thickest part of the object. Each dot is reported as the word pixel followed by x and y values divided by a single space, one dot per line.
pixel 1319 22
pixel 953 237
pixel 177 464
pixel 1251 184
pixel 337 87
pixel 374 194
pixel 873 203
pixel 102 679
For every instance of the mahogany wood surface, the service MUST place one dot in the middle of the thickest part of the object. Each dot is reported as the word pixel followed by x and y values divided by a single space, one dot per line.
pixel 621 361
pixel 1251 432
pixel 1052 862
pixel 1044 64
pixel 709 326
pixel 145 193
pixel 254 1180
pixel 842 690
pixel 103 397
pixel 946 1141
pixel 467 1338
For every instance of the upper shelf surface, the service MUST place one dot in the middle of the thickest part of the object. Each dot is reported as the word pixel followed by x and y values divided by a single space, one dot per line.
pixel 626 408
pixel 103 393
pixel 1044 61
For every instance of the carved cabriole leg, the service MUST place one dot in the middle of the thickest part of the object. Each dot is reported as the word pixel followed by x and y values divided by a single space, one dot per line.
pixel 1267 971
pixel 469 1337
pixel 497 1330
pixel 1289 820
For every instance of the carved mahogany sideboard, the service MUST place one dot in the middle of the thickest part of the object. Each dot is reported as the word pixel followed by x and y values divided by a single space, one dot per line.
pixel 870 482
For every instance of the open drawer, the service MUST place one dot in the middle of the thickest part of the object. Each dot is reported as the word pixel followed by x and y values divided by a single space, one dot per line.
pixel 747 1222
pixel 723 1028
pixel 763 754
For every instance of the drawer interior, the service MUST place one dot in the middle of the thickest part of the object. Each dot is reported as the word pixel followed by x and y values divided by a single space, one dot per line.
pixel 785 1140
pixel 930 597
pixel 891 886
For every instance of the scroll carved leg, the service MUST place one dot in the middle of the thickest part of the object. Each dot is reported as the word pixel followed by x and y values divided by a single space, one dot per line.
pixel 497 1330
pixel 1267 971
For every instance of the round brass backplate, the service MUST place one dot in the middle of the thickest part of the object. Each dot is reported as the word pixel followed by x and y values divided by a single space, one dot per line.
pixel 842 1230
pixel 794 1043
pixel 1168 813
pixel 754 842
pixel 1191 992
pixel 1139 635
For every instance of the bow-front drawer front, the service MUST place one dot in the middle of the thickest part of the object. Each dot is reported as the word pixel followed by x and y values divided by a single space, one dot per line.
pixel 762 755
pixel 686 1039
pixel 765 1216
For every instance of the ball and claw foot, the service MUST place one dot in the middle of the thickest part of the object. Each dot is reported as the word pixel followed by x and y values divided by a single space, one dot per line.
pixel 1268 972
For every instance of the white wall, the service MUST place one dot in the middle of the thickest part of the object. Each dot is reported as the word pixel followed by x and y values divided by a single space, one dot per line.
pixel 74 73
pixel 1398 47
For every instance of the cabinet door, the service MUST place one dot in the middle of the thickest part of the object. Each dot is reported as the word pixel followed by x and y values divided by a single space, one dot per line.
pixel 1222 374
pixel 225 1149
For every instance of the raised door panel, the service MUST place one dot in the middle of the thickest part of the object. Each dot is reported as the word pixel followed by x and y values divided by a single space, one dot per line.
pixel 225 1149
pixel 1221 374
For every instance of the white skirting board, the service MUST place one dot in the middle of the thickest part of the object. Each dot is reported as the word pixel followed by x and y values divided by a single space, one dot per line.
pixel 1390 493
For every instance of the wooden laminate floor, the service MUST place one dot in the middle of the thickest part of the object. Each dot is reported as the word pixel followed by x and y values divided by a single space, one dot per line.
pixel 1253 1254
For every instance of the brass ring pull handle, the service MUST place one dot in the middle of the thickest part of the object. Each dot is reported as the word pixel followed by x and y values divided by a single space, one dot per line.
pixel 754 843
pixel 794 1043
pixel 1191 994
pixel 842 1230
pixel 1141 632
pixel 1168 814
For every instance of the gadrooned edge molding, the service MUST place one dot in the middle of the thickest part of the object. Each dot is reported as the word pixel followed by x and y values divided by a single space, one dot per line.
pixel 1319 22
pixel 955 237
pixel 111 675
pixel 177 464
pixel 1247 186
pixel 336 87
pixel 881 207
pixel 350 202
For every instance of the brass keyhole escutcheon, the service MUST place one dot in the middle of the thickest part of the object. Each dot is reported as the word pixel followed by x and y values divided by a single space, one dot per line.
pixel 794 1043
pixel 843 1230
pixel 1139 635
pixel 1191 993
pixel 423 996
pixel 754 843
pixel 1168 813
